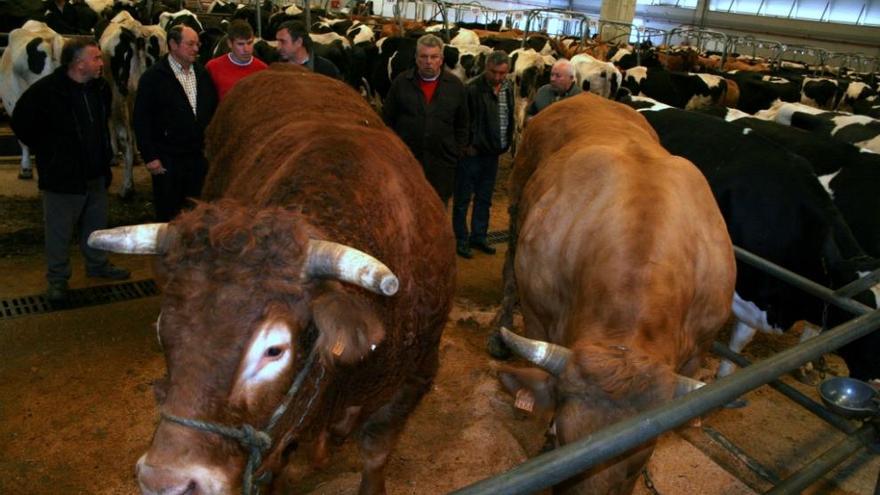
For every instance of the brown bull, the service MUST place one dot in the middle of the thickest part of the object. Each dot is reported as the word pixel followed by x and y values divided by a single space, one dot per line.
pixel 269 283
pixel 623 265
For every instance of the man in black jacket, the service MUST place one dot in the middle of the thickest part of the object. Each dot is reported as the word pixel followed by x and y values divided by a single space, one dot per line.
pixel 427 108
pixel 490 104
pixel 63 118
pixel 295 45
pixel 175 102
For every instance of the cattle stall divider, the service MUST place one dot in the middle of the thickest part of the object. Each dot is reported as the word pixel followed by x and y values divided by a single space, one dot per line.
pixel 569 460
pixel 703 37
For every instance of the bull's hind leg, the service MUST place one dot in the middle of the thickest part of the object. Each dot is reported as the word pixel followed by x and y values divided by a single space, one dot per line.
pixel 380 431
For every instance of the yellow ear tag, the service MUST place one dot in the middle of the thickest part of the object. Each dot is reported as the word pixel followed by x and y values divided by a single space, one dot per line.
pixel 338 347
pixel 524 400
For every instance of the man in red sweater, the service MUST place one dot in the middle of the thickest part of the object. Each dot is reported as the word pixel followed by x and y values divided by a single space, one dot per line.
pixel 228 69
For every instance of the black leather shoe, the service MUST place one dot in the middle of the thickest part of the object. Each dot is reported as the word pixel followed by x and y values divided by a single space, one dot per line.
pixel 483 246
pixel 464 251
pixel 57 291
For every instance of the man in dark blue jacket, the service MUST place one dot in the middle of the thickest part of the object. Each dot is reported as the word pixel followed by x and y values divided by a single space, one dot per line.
pixel 174 105
pixel 490 106
pixel 427 107
pixel 63 118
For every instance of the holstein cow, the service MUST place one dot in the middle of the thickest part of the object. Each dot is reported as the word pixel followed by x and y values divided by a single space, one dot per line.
pixel 821 92
pixel 33 52
pixel 303 299
pixel 759 92
pixel 685 90
pixel 129 48
pixel 860 130
pixel 595 76
pixel 851 178
pixel 624 270
pixel 776 208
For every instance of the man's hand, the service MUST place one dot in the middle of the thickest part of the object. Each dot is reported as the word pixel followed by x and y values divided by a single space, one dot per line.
pixel 470 150
pixel 155 167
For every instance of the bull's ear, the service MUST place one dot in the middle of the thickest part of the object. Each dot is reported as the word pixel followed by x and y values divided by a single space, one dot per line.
pixel 532 388
pixel 349 328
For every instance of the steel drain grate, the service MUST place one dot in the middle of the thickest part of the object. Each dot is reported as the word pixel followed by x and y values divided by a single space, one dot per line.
pixel 497 237
pixel 78 298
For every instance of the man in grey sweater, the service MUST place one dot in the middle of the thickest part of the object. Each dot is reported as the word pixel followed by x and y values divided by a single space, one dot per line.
pixel 561 86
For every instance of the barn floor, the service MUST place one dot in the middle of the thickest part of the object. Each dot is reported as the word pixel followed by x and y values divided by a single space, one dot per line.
pixel 76 405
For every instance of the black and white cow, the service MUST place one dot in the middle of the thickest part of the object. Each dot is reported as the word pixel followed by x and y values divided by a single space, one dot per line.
pixel 860 130
pixel 856 93
pixel 685 90
pixel 850 175
pixel 597 77
pixel 775 207
pixel 33 52
pixel 821 92
pixel 168 20
pixel 129 48
pixel 759 91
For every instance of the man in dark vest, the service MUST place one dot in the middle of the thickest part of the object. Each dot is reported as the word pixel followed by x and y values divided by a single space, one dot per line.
pixel 490 105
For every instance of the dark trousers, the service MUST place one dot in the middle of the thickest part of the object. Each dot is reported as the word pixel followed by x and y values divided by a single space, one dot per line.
pixel 474 177
pixel 183 178
pixel 61 213
pixel 442 179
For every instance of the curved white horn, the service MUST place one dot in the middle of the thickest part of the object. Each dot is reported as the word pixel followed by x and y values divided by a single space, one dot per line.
pixel 551 357
pixel 148 238
pixel 334 260
pixel 685 385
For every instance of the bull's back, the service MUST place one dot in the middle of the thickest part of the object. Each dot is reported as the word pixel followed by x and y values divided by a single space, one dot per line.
pixel 617 235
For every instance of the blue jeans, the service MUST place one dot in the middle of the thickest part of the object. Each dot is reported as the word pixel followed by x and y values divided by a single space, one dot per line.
pixel 474 178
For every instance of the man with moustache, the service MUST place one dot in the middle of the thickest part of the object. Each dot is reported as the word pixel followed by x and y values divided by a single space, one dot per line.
pixel 427 107
pixel 63 118
pixel 175 102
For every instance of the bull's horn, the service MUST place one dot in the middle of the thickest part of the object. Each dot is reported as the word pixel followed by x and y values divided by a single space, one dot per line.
pixel 333 260
pixel 685 385
pixel 148 238
pixel 551 357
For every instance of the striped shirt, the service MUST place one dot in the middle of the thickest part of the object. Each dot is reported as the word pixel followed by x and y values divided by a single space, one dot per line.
pixel 502 112
pixel 187 79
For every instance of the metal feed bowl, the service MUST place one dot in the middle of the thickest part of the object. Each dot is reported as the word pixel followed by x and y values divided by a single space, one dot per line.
pixel 850 397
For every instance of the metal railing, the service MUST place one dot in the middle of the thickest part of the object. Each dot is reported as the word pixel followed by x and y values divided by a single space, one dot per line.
pixel 564 462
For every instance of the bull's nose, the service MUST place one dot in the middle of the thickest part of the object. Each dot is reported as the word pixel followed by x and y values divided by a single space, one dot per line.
pixel 181 477
pixel 165 481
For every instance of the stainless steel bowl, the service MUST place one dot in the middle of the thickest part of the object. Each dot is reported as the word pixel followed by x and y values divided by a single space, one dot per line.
pixel 850 397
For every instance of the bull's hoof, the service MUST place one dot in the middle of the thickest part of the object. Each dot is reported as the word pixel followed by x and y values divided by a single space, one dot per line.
pixel 497 348
pixel 26 174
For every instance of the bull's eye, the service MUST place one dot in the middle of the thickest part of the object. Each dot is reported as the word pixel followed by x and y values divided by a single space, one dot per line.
pixel 274 351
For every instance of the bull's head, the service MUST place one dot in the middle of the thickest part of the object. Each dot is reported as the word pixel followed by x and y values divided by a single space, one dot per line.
pixel 587 388
pixel 251 306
